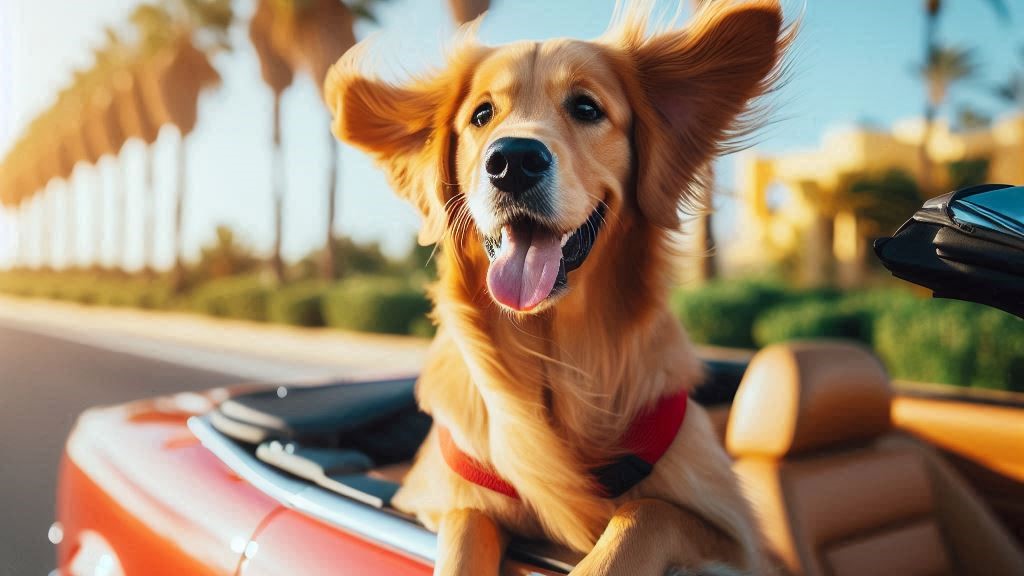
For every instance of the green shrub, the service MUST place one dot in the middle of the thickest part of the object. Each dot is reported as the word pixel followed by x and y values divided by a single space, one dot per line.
pixel 375 304
pixel 952 342
pixel 154 295
pixel 723 313
pixel 298 304
pixel 132 292
pixel 813 319
pixel 422 327
pixel 74 289
pixel 243 298
pixel 850 317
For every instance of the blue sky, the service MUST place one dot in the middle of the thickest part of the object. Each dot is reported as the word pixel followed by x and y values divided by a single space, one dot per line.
pixel 852 63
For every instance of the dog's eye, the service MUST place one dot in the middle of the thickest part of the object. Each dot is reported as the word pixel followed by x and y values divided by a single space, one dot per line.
pixel 482 114
pixel 584 109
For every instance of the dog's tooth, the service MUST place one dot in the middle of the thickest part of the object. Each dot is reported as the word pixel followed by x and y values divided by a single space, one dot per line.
pixel 565 238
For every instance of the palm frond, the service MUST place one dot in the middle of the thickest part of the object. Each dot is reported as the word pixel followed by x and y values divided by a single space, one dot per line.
pixel 365 9
pixel 1001 8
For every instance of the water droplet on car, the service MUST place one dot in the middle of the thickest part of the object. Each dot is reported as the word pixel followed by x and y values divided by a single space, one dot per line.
pixel 250 549
pixel 238 544
pixel 56 533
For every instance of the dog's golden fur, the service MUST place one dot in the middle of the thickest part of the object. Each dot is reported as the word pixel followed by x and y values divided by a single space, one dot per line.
pixel 542 397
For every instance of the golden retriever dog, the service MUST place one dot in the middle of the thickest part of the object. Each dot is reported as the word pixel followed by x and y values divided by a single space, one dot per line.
pixel 552 176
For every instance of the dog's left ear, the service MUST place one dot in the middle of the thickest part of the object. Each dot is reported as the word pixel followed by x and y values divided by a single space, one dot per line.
pixel 693 86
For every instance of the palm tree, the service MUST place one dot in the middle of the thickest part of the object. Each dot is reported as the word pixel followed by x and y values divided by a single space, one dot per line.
pixel 1012 91
pixel 179 38
pixel 134 123
pixel 16 191
pixel 137 123
pixel 85 133
pixel 932 10
pixel 704 235
pixel 104 133
pixel 879 203
pixel 278 75
pixel 946 66
pixel 467 10
pixel 309 36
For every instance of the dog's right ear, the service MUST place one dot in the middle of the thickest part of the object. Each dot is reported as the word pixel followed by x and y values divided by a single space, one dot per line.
pixel 407 129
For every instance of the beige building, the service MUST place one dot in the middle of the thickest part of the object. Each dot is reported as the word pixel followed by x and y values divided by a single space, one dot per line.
pixel 788 215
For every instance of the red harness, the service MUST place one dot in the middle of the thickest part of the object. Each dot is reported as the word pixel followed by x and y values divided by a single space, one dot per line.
pixel 646 441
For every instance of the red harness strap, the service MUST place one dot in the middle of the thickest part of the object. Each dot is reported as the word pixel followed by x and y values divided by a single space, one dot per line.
pixel 646 441
pixel 470 468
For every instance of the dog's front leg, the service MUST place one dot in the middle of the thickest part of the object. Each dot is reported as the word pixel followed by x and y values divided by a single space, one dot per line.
pixel 469 543
pixel 654 538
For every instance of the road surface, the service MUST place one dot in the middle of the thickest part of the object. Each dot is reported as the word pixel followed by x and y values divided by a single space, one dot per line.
pixel 45 382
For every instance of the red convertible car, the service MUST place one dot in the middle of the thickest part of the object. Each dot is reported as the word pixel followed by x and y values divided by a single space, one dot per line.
pixel 848 474
pixel 280 480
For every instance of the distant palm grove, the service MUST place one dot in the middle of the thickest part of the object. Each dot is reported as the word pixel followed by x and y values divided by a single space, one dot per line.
pixel 146 81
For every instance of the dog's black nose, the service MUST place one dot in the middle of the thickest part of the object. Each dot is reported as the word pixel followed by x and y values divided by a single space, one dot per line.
pixel 516 164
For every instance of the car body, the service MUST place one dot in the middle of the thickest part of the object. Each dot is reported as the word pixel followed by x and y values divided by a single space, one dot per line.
pixel 156 486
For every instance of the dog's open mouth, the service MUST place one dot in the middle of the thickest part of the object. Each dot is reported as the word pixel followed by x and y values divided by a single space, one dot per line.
pixel 530 263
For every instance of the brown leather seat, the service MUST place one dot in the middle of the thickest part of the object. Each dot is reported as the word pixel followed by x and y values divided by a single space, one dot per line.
pixel 837 492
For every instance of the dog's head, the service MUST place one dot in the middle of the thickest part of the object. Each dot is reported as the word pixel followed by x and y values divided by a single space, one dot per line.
pixel 529 155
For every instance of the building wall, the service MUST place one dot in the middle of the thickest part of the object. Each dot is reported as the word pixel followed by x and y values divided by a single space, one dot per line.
pixel 789 215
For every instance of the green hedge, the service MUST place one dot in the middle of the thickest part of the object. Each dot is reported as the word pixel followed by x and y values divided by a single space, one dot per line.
pixel 298 304
pixel 951 342
pixel 242 298
pixel 723 313
pixel 851 316
pixel 370 303
pixel 376 304
pixel 813 319
pixel 88 288
pixel 919 339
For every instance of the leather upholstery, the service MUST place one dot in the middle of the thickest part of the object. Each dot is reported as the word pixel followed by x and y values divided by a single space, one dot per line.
pixel 801 396
pixel 837 495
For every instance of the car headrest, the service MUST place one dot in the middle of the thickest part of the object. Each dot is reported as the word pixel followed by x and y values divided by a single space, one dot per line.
pixel 801 396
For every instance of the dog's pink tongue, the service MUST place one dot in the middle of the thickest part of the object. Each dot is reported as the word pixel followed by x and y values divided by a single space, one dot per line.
pixel 524 273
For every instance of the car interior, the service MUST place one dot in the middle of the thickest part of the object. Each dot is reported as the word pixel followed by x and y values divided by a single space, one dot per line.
pixel 847 473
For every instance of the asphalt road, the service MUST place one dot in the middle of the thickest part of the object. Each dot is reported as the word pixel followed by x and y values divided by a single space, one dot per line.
pixel 44 384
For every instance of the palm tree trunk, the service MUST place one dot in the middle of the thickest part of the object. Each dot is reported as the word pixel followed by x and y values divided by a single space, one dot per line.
pixel 704 238
pixel 70 228
pixel 709 264
pixel 333 163
pixel 100 217
pixel 39 221
pixel 178 278
pixel 19 215
pixel 931 22
pixel 38 225
pixel 49 217
pixel 121 216
pixel 25 233
pixel 149 220
pixel 277 183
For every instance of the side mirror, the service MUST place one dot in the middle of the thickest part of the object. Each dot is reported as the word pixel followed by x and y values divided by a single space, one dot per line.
pixel 966 245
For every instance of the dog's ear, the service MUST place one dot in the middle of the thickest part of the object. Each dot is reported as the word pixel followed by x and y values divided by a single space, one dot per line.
pixel 407 129
pixel 692 88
